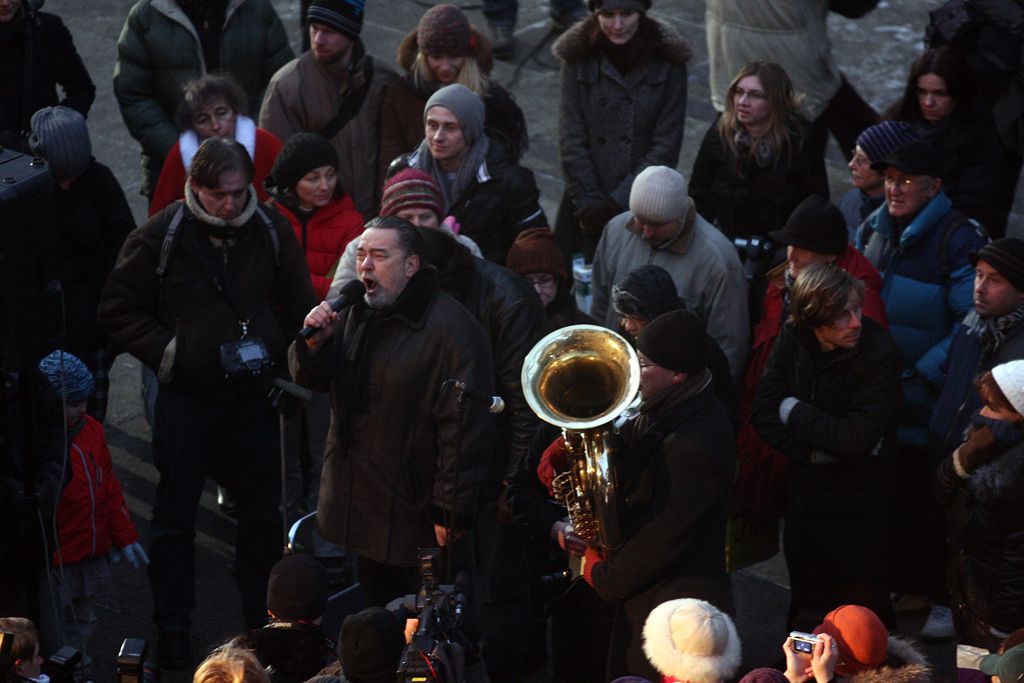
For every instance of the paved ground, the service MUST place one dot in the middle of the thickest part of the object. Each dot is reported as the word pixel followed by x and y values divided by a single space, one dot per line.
pixel 874 53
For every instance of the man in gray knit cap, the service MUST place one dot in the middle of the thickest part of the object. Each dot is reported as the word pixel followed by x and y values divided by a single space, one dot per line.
pixel 491 196
pixel 662 227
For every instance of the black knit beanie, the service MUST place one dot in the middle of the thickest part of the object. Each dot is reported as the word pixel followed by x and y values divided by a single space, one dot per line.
pixel 675 341
pixel 301 154
pixel 647 292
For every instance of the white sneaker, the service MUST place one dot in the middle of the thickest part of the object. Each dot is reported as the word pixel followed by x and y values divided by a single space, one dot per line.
pixel 939 625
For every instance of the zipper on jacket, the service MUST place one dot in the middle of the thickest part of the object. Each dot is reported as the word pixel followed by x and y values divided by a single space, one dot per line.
pixel 92 497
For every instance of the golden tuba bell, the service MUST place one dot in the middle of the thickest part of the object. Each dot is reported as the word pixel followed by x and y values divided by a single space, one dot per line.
pixel 580 378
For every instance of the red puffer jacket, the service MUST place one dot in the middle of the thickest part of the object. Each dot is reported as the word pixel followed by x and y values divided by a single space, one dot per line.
pixel 761 481
pixel 91 514
pixel 324 236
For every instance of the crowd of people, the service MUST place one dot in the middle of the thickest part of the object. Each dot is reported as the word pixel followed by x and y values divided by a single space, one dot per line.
pixel 751 354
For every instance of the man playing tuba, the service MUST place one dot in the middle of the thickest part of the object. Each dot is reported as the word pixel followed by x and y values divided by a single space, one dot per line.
pixel 674 469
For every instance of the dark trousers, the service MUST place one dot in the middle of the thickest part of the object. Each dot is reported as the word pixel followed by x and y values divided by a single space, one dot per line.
pixel 236 443
pixel 920 555
pixel 836 561
pixel 503 12
pixel 846 117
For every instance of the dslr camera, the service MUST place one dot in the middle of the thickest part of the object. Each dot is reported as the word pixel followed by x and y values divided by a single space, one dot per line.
pixel 438 649
pixel 245 359
pixel 756 253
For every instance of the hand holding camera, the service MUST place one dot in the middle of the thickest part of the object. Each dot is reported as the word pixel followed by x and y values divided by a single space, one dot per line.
pixel 810 657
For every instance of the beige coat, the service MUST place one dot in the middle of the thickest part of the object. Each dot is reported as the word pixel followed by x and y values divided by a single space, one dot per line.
pixel 304 95
pixel 792 33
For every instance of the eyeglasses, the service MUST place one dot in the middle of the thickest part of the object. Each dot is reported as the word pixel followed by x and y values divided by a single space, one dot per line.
pixel 904 182
pixel 544 281
pixel 740 93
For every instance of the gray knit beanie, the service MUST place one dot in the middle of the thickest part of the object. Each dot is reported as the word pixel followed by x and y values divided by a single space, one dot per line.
pixel 465 104
pixel 659 195
pixel 60 136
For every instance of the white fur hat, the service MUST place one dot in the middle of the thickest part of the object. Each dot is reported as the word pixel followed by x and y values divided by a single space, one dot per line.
pixel 1010 378
pixel 691 640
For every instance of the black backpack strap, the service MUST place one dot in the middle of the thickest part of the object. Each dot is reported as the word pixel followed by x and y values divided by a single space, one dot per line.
pixel 352 104
pixel 275 239
pixel 168 243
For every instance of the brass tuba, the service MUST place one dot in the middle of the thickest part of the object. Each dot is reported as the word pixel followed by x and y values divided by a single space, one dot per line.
pixel 580 378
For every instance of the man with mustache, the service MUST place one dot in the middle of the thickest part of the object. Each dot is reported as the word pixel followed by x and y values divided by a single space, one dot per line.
pixel 403 468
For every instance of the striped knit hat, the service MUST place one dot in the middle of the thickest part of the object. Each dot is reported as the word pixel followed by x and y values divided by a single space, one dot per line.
pixel 411 188
pixel 880 140
pixel 344 15
pixel 68 376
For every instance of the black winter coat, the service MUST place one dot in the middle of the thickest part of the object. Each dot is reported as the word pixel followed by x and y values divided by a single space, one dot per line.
pixel 492 211
pixel 743 199
pixel 970 149
pixel 54 61
pixel 143 313
pixel 93 220
pixel 397 460
pixel 508 309
pixel 986 524
pixel 675 472
pixel 840 439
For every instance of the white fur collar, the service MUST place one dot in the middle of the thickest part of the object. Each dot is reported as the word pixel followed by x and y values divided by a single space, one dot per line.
pixel 245 133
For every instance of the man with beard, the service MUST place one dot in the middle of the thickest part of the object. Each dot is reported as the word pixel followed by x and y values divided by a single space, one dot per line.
pixel 335 89
pixel 990 335
pixel 405 458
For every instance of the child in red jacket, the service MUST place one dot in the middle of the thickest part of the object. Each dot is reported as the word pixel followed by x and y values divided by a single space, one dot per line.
pixel 93 525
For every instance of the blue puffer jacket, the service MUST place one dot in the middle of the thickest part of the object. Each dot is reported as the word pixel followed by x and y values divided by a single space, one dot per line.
pixel 927 287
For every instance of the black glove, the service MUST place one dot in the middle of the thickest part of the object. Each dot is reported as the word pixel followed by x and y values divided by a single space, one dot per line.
pixel 595 215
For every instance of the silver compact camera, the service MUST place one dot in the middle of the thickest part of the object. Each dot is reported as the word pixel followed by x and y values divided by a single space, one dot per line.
pixel 803 642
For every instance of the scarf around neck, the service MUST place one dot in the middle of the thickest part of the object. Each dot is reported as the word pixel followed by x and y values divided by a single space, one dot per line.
pixel 218 227
pixel 991 332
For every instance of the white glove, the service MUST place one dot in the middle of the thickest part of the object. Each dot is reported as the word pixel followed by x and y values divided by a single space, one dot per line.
pixel 134 555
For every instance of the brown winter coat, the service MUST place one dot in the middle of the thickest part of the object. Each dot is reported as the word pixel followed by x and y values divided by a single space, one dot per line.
pixel 612 126
pixel 400 460
pixel 305 95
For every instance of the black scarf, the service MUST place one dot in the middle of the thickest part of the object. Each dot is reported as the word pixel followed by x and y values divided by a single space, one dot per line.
pixel 991 332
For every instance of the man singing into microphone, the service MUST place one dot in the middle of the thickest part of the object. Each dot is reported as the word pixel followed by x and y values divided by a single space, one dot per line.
pixel 401 472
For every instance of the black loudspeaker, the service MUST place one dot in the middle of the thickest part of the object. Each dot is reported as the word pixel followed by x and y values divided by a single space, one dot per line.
pixel 31 312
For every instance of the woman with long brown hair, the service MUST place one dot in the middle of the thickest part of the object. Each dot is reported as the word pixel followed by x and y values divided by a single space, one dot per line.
pixel 756 162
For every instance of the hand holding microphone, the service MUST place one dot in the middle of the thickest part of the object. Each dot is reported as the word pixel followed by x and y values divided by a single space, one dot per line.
pixel 326 313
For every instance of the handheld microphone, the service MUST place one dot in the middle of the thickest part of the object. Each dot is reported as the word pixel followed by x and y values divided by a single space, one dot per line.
pixel 349 294
pixel 495 404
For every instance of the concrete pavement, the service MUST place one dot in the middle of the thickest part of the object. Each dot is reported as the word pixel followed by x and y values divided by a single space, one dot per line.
pixel 874 53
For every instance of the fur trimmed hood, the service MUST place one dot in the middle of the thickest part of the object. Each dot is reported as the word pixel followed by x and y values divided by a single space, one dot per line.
pixel 991 482
pixel 578 43
pixel 910 666
pixel 480 50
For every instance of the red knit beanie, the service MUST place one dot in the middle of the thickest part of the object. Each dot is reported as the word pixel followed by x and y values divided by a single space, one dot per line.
pixel 535 251
pixel 411 188
pixel 861 636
